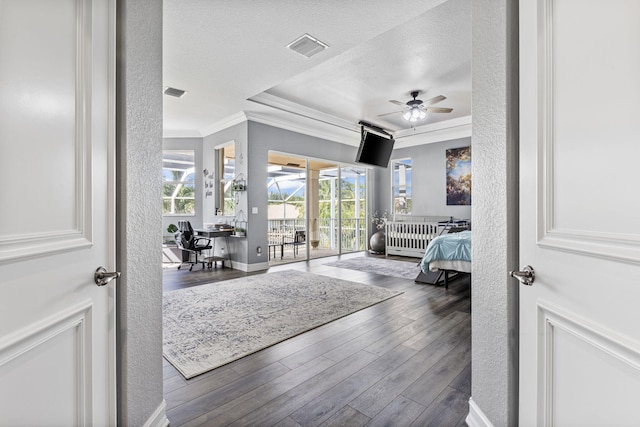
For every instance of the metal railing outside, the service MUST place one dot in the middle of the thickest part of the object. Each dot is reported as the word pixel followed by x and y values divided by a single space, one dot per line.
pixel 352 233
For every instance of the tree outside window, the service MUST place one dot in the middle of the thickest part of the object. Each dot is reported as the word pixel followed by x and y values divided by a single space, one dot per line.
pixel 178 175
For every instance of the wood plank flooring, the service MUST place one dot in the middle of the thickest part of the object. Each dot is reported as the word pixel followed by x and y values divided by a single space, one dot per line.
pixel 403 362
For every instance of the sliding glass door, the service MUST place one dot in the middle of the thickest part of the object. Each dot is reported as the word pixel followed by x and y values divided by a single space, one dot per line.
pixel 327 205
pixel 317 208
pixel 286 214
pixel 353 209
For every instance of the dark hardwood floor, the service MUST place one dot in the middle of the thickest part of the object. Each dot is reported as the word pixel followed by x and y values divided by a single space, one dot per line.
pixel 403 362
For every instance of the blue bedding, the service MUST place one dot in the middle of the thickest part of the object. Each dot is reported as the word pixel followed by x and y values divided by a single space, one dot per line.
pixel 449 247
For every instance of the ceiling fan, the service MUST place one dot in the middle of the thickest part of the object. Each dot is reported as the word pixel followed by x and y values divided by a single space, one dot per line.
pixel 417 109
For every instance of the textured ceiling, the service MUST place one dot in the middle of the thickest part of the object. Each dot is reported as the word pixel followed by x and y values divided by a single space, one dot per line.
pixel 224 53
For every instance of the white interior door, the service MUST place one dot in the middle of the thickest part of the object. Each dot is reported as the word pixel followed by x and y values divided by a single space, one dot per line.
pixel 57 330
pixel 580 212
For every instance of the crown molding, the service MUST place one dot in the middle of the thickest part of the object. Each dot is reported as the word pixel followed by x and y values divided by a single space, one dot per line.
pixel 308 126
pixel 302 111
pixel 437 132
pixel 232 120
pixel 290 116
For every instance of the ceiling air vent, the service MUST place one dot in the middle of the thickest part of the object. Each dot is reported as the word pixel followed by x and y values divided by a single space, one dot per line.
pixel 172 91
pixel 307 46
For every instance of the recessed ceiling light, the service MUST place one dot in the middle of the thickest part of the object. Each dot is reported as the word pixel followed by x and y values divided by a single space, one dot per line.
pixel 172 91
pixel 307 46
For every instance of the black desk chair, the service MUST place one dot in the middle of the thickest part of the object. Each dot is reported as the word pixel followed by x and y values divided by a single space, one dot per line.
pixel 190 245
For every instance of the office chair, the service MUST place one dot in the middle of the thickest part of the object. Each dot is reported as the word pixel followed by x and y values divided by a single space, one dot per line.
pixel 190 244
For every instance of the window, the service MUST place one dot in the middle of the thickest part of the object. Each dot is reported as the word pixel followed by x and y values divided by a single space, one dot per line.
pixel 178 188
pixel 228 166
pixel 401 186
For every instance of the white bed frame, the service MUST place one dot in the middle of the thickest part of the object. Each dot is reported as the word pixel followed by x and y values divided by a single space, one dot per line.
pixel 410 235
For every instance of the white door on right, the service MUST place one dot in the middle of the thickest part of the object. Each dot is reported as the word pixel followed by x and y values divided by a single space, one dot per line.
pixel 580 212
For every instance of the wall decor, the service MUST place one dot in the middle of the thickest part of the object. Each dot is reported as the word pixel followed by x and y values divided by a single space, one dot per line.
pixel 459 176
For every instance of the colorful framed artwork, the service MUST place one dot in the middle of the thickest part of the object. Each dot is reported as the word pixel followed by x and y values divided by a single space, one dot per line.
pixel 459 176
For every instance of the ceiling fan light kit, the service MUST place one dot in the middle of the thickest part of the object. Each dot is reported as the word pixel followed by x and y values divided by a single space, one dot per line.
pixel 417 109
pixel 414 114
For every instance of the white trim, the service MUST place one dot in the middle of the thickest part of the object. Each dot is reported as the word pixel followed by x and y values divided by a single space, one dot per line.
pixel 18 248
pixel 79 236
pixel 225 144
pixel 308 121
pixel 608 342
pixel 476 417
pixel 304 111
pixel 22 342
pixel 225 123
pixel 615 246
pixel 249 268
pixel 84 118
pixel 437 132
pixel 159 416
pixel 311 127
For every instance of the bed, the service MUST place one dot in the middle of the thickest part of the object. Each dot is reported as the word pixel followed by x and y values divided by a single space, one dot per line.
pixel 446 253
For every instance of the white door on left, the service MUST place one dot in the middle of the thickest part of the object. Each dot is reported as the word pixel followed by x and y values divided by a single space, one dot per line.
pixel 57 327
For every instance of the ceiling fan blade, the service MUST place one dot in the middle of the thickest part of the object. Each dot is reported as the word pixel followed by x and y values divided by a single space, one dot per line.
pixel 388 114
pixel 438 110
pixel 434 100
pixel 402 104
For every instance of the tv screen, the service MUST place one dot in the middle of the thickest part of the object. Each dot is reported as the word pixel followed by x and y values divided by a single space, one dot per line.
pixel 374 149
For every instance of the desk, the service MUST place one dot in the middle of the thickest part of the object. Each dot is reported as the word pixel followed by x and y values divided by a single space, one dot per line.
pixel 213 234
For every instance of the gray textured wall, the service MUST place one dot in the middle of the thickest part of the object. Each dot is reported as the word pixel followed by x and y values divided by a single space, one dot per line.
pixel 495 210
pixel 139 219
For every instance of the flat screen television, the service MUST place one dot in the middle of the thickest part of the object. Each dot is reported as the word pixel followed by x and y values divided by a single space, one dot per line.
pixel 374 149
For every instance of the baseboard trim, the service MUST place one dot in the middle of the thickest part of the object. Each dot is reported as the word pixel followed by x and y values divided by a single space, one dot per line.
pixel 249 268
pixel 159 417
pixel 476 417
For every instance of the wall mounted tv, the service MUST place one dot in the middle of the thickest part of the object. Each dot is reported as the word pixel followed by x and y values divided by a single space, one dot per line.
pixel 374 149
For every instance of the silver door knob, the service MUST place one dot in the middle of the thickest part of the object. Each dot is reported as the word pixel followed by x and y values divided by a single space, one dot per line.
pixel 102 276
pixel 526 276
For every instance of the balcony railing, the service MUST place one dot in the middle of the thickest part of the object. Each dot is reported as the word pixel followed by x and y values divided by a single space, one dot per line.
pixel 350 237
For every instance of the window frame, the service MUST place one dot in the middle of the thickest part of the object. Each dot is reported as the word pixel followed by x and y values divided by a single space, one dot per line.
pixel 184 182
pixel 395 186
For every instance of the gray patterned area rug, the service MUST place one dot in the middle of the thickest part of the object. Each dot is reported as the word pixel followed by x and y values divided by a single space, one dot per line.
pixel 383 266
pixel 210 325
